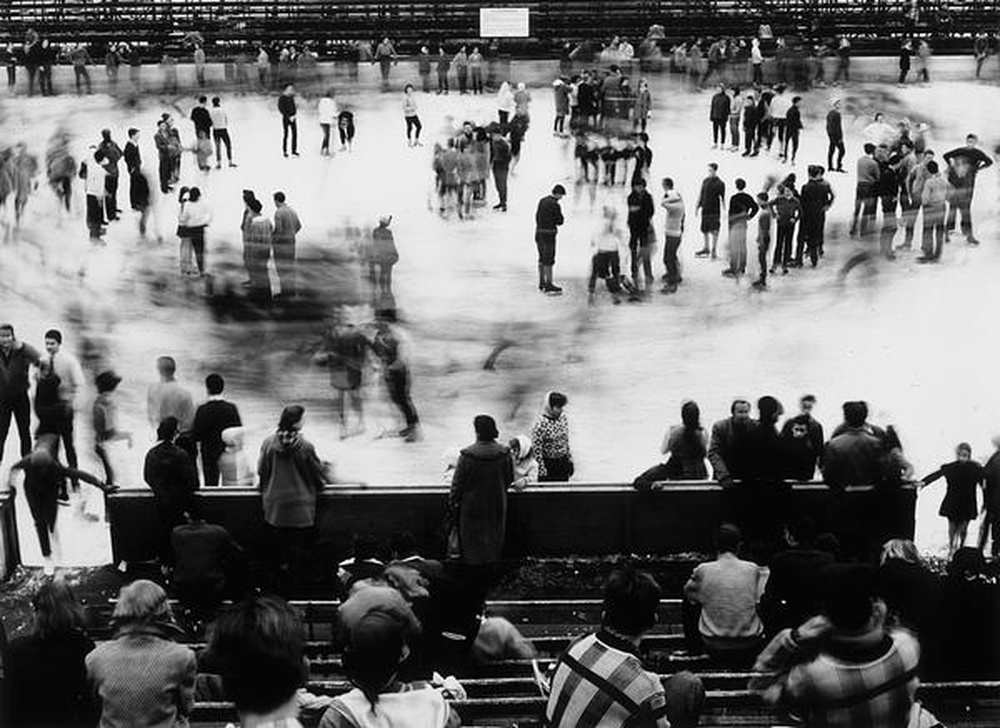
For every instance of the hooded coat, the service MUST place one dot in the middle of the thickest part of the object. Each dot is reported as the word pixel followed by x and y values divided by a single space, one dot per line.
pixel 291 477
pixel 479 486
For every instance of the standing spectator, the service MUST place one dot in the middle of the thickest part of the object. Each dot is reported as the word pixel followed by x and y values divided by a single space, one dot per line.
pixel 143 677
pixel 719 116
pixel 803 436
pixel 67 368
pixel 905 54
pixel 476 67
pixel 413 125
pixel 81 59
pixel 835 135
pixel 201 117
pixel 461 61
pixel 792 593
pixel 727 591
pixel 263 65
pixel 443 63
pixel 505 103
pixel 220 132
pixel 672 232
pixel 742 210
pixel 561 93
pixel 964 163
pixel 257 248
pixel 866 192
pixel 170 473
pixel 550 438
pixel 45 670
pixel 751 126
pixel 424 69
pixel 735 112
pixel 162 141
pixel 385 56
pixel 210 419
pixel 105 421
pixel 345 352
pixel 787 211
pixel 384 255
pixel 15 358
pixel 167 398
pixel 286 227
pixel 95 185
pixel 933 199
pixel 112 153
pixel 963 476
pixel 687 445
pixel 601 680
pixel 500 158
pixel 793 125
pixel 853 456
pixel 640 225
pixel 816 199
pixel 756 63
pixel 327 113
pixel 286 105
pixel 112 60
pixel 548 218
pixel 291 476
pixel 852 668
pixel 763 239
pixel 199 65
pixel 729 450
pixel 843 60
pixel 643 106
pixel 194 218
pixel 710 201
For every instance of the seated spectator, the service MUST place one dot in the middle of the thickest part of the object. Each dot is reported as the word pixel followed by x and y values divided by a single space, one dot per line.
pixel 404 552
pixel 964 643
pixel 525 465
pixel 907 586
pixel 602 676
pixel 727 590
pixel 687 445
pixel 142 676
pixel 792 593
pixel 802 439
pixel 45 673
pixel 234 467
pixel 854 455
pixel 377 627
pixel 729 450
pixel 258 648
pixel 498 639
pixel 171 474
pixel 208 564
pixel 843 667
pixel 364 564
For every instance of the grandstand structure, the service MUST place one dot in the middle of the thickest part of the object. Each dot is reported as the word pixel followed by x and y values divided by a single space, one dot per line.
pixel 874 25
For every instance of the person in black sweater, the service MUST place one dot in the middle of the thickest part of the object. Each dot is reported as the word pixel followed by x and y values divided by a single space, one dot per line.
pixel 793 125
pixel 45 670
pixel 719 116
pixel 751 120
pixel 548 218
pixel 171 474
pixel 803 441
pixel 713 195
pixel 964 164
pixel 816 198
pixel 835 135
pixel 210 419
pixel 201 118
pixel 963 476
pixel 640 218
pixel 742 209
pixel 208 565
pixel 286 105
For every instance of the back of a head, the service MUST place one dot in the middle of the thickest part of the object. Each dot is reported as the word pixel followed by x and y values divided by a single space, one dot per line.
pixel 854 414
pixel 290 417
pixel 966 562
pixel 214 384
pixel 56 610
pixel 167 429
pixel 366 546
pixel 848 593
pixel 728 539
pixel 485 427
pixel 630 602
pixel 403 544
pixel 557 399
pixel 769 409
pixel 166 366
pixel 802 529
pixel 141 602
pixel 899 549
pixel 691 415
pixel 259 649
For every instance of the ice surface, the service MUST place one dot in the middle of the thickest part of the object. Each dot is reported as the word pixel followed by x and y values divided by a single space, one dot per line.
pixel 914 341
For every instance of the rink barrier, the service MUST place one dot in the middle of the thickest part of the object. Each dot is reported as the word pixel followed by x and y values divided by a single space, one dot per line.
pixel 10 549
pixel 582 519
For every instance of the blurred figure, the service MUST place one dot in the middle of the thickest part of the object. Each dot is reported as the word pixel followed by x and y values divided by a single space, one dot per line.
pixel 792 590
pixel 81 59
pixel 384 255
pixel 207 562
pixel 45 670
pixel 170 473
pixel 105 421
pixel 605 262
pixel 193 219
pixel 345 351
pixel 15 359
pixel 168 398
pixel 257 244
pixel 964 476
pixel 161 691
pixel 286 227
pixel 60 167
pixel 396 373
pixel 234 467
pixel 286 106
pixel 327 113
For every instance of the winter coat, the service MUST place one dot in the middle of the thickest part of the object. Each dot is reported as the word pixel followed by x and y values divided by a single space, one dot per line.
pixel 854 457
pixel 291 476
pixel 720 107
pixel 479 486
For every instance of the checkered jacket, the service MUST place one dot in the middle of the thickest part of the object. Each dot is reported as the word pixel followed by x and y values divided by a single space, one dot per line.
pixel 600 681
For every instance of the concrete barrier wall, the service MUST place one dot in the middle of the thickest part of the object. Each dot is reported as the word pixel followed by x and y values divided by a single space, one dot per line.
pixel 545 521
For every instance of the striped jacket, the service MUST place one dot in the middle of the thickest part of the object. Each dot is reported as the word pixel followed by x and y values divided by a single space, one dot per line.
pixel 600 681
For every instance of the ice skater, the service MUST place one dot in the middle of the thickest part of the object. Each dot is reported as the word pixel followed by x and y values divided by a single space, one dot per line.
pixel 413 125
pixel 710 201
pixel 396 374
pixel 605 262
pixel 548 218
pixel 964 476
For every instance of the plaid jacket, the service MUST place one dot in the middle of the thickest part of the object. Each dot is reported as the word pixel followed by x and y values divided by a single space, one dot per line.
pixel 600 681
pixel 847 686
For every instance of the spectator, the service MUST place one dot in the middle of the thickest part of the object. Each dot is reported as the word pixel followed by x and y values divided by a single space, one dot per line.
pixel 727 590
pixel 378 630
pixel 258 648
pixel 729 449
pixel 991 500
pixel 286 227
pixel 384 255
pixel 291 476
pixel 15 358
pixel 835 136
pixel 220 132
pixel 403 547
pixel 710 201
pixel 843 667
pixel 207 565
pixel 167 398
pixel 388 347
pixel 550 437
pixel 687 444
pixel 673 203
pixel 170 473
pixel 792 593
pixel 105 421
pixel 908 587
pixel 67 368
pixel 525 464
pixel 964 163
pixel 719 115
pixel 803 441
pixel 142 676
pixel 863 219
pixel 478 502
pixel 964 476
pixel 934 192
pixel 286 106
pixel 601 681
pixel 45 674
pixel 234 468
pixel 855 455
pixel 210 420
pixel 364 564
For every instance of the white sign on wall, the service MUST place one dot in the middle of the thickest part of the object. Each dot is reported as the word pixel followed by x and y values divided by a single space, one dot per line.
pixel 503 22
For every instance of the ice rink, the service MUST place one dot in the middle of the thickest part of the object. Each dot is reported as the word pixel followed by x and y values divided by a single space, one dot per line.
pixel 914 341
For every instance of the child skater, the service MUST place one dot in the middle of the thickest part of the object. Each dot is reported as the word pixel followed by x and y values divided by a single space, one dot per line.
pixel 963 476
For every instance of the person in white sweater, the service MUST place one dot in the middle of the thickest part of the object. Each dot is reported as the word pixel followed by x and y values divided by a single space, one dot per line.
pixel 327 113
pixel 95 176
pixel 193 219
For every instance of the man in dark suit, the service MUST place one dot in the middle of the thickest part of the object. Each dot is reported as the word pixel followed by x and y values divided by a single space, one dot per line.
pixel 210 419
pixel 730 448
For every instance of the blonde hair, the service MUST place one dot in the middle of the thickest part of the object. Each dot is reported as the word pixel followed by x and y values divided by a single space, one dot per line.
pixel 142 602
pixel 901 549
